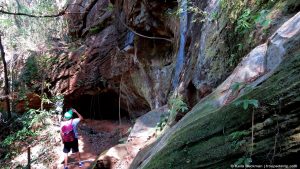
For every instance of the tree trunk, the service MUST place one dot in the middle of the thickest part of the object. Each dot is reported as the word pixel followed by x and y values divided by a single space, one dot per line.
pixel 6 87
pixel 42 93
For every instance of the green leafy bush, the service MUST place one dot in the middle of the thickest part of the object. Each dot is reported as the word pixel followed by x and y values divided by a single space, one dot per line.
pixel 30 72
pixel 261 18
pixel 27 120
pixel 110 7
pixel 177 105
pixel 247 102
pixel 244 161
pixel 243 22
pixel 238 134
pixel 162 122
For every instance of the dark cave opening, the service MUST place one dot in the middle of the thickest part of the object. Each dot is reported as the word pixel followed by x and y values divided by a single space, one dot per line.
pixel 192 95
pixel 102 106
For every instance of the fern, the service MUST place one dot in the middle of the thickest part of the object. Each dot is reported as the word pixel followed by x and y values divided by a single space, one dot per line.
pixel 243 22
pixel 177 105
pixel 245 103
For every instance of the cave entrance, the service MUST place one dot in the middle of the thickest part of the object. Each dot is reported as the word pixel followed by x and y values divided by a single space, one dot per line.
pixel 102 106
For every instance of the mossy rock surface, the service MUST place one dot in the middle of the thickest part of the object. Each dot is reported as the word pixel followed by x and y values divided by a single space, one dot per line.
pixel 205 138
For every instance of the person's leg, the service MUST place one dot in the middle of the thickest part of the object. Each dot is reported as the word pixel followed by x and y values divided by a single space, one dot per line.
pixel 66 150
pixel 78 156
pixel 78 153
pixel 75 149
pixel 79 160
pixel 66 160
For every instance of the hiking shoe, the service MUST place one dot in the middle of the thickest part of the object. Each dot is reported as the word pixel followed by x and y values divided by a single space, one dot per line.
pixel 80 164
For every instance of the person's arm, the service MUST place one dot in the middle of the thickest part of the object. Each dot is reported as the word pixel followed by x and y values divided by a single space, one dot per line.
pixel 79 115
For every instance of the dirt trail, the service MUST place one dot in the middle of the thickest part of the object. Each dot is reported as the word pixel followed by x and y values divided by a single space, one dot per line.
pixel 94 138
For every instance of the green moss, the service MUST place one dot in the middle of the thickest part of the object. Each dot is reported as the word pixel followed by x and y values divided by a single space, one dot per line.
pixel 94 30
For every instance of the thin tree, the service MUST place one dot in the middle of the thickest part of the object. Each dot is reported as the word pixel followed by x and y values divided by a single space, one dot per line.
pixel 6 86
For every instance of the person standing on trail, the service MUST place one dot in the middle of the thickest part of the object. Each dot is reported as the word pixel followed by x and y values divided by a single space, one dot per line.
pixel 69 135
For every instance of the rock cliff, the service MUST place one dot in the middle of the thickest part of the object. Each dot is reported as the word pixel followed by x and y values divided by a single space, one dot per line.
pixel 138 53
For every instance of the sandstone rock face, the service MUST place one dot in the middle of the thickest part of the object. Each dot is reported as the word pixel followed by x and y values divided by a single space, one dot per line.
pixel 221 43
pixel 111 57
pixel 126 52
pixel 129 48
pixel 150 17
pixel 191 138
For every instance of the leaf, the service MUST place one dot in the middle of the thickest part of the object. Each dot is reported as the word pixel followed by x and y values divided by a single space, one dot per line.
pixel 248 161
pixel 254 102
pixel 240 161
pixel 266 23
pixel 247 102
pixel 235 86
pixel 245 105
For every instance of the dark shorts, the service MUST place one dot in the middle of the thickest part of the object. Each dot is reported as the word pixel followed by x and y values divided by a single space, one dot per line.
pixel 71 145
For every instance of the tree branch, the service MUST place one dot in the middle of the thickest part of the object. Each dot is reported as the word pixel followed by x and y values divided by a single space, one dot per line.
pixel 31 15
pixel 144 36
pixel 6 84
pixel 61 13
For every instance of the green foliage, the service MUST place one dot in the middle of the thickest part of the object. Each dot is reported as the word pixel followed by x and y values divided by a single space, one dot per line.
pixel 261 19
pixel 248 20
pixel 246 102
pixel 244 161
pixel 222 4
pixel 34 75
pixel 238 134
pixel 22 130
pixel 237 139
pixel 94 30
pixel 236 86
pixel 233 59
pixel 243 22
pixel 177 105
pixel 22 34
pixel 214 15
pixel 6 22
pixel 162 122
pixel 30 71
pixel 171 12
pixel 45 98
pixel 37 116
pixel 18 136
pixel 110 7
pixel 198 14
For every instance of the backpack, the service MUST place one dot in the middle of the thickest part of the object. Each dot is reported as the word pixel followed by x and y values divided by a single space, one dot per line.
pixel 67 133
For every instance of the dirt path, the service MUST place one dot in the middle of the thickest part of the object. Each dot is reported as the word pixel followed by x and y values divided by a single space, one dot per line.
pixel 94 138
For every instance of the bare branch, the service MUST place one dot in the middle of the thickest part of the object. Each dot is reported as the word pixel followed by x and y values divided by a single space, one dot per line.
pixel 61 13
pixel 34 16
pixel 144 36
